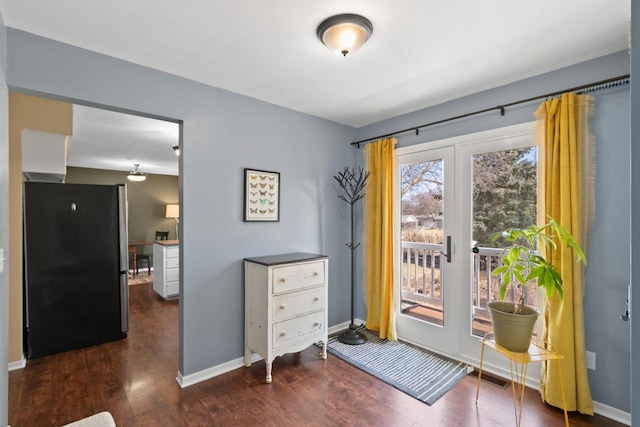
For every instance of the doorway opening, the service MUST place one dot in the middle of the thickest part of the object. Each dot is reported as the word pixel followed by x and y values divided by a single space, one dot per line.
pixel 111 139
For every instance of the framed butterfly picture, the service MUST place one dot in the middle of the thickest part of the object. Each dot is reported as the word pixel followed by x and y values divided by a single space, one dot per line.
pixel 261 195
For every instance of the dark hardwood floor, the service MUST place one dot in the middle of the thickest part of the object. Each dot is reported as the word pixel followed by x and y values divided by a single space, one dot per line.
pixel 134 379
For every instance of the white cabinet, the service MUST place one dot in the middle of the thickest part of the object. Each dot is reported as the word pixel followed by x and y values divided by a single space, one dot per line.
pixel 166 268
pixel 285 305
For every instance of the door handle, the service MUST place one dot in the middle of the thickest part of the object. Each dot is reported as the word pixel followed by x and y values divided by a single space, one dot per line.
pixel 448 253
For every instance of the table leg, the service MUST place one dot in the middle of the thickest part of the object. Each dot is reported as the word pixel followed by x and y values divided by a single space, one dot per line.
pixel 480 372
pixel 134 261
pixel 518 378
pixel 513 391
pixel 268 379
pixel 247 356
pixel 564 400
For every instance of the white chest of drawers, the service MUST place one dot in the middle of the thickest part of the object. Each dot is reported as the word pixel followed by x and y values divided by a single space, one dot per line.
pixel 285 305
pixel 166 268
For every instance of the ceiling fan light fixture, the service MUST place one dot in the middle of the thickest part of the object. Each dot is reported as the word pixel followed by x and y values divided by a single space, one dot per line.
pixel 136 174
pixel 344 34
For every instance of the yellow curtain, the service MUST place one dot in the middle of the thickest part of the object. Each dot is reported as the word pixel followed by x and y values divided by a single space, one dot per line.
pixel 564 152
pixel 378 239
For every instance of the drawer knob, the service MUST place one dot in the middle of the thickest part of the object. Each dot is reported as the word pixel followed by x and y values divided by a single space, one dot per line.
pixel 282 306
pixel 284 279
pixel 316 299
pixel 315 273
pixel 283 334
pixel 316 324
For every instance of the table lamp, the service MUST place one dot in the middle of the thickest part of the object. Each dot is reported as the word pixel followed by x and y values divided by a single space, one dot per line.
pixel 173 211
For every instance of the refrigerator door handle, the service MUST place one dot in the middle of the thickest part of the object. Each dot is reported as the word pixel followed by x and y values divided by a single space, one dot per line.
pixel 124 302
pixel 124 258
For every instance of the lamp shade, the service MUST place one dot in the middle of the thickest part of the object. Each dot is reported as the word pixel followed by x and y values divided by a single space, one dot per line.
pixel 173 211
pixel 345 34
pixel 136 174
pixel 136 178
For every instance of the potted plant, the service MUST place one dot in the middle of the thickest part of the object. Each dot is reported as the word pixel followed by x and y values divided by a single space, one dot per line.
pixel 513 323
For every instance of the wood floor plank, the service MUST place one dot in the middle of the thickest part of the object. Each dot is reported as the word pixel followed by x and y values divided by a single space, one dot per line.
pixel 134 379
pixel 16 385
pixel 37 404
pixel 75 395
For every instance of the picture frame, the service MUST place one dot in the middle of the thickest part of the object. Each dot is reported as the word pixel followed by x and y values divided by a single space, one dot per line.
pixel 261 196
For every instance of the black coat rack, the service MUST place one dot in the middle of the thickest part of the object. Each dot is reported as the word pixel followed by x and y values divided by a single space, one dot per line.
pixel 352 184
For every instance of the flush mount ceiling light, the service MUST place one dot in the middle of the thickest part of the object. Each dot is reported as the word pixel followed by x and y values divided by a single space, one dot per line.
pixel 136 174
pixel 345 34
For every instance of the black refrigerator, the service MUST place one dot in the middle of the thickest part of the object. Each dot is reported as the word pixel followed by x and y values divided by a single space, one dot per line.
pixel 76 266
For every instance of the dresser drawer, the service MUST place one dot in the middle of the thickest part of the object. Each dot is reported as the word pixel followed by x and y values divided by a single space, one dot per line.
pixel 294 304
pixel 298 276
pixel 292 329
pixel 173 288
pixel 172 263
pixel 173 252
pixel 173 275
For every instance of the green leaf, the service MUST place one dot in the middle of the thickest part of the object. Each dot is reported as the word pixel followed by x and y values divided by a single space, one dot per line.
pixel 499 270
pixel 535 272
pixel 506 280
pixel 521 258
pixel 519 277
pixel 503 289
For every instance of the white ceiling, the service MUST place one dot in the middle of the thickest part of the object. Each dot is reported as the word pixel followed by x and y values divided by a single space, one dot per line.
pixel 115 141
pixel 420 53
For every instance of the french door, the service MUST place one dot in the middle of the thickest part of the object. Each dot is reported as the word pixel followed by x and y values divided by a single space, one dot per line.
pixel 452 199
pixel 428 315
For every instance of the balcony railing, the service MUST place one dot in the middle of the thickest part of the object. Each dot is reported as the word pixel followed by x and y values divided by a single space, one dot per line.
pixel 421 273
pixel 422 277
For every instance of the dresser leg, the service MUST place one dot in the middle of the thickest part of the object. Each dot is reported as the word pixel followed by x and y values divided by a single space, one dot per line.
pixel 323 354
pixel 268 380
pixel 247 357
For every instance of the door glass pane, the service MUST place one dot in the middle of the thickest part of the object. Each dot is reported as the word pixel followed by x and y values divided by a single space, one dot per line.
pixel 422 225
pixel 504 196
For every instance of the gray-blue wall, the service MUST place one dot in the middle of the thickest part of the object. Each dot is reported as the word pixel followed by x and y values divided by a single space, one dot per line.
pixel 223 133
pixel 609 261
pixel 4 228
pixel 608 277
pixel 635 217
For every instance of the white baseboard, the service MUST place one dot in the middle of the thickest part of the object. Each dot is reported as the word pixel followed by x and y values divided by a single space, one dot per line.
pixel 612 413
pixel 214 371
pixel 344 326
pixel 20 364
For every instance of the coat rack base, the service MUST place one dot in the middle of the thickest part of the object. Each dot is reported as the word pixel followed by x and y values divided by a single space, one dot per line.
pixel 352 337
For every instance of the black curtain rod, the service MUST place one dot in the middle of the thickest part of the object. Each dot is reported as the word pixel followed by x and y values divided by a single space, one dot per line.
pixel 623 80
